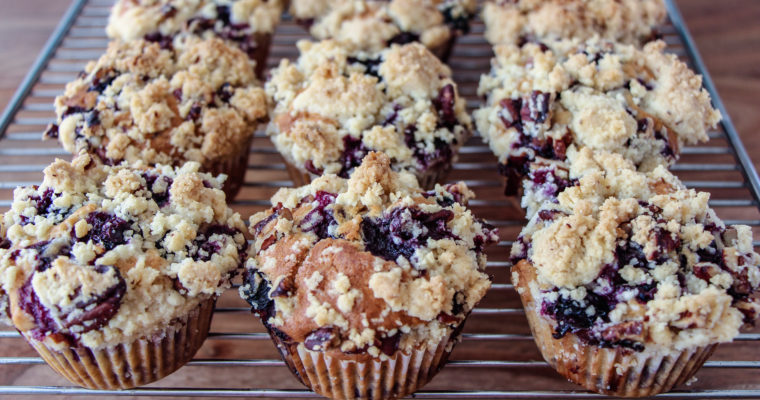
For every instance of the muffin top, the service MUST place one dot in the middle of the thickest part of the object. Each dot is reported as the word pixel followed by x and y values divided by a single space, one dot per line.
pixel 374 25
pixel 641 103
pixel 101 255
pixel 611 175
pixel 627 21
pixel 636 260
pixel 160 19
pixel 141 102
pixel 333 106
pixel 370 264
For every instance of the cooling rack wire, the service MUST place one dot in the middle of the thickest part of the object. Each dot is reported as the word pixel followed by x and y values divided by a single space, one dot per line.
pixel 497 357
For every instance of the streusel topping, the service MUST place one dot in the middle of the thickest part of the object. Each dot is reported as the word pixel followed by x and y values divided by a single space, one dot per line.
pixel 162 20
pixel 639 261
pixel 627 21
pixel 140 102
pixel 374 25
pixel 102 255
pixel 607 174
pixel 641 103
pixel 367 264
pixel 334 106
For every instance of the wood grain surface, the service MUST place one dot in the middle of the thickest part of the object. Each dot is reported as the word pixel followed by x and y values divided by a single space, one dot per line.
pixel 727 33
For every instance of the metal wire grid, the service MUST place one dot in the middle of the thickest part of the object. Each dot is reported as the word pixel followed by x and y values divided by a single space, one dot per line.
pixel 721 167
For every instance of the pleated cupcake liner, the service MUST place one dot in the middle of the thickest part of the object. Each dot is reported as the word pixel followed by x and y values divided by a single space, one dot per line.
pixel 298 176
pixel 612 371
pixel 338 375
pixel 235 167
pixel 261 53
pixel 133 364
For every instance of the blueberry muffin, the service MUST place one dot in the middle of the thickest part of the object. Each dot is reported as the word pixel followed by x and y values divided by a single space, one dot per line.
pixel 626 21
pixel 365 283
pixel 333 106
pixel 112 272
pixel 629 284
pixel 607 174
pixel 141 102
pixel 375 25
pixel 541 101
pixel 305 12
pixel 247 24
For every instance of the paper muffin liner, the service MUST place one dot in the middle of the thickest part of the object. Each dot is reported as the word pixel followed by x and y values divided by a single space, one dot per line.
pixel 432 176
pixel 611 371
pixel 133 364
pixel 298 176
pixel 338 375
pixel 443 50
pixel 261 54
pixel 235 167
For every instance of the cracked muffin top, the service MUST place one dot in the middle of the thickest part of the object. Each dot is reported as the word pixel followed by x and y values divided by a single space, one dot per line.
pixel 100 255
pixel 374 25
pixel 333 106
pixel 627 21
pixel 627 259
pixel 140 102
pixel 370 264
pixel 641 103
pixel 161 20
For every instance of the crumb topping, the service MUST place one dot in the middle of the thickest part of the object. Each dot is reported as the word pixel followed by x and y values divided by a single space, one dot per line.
pixel 367 264
pixel 636 260
pixel 543 101
pixel 375 25
pixel 157 20
pixel 626 21
pixel 141 102
pixel 100 255
pixel 333 106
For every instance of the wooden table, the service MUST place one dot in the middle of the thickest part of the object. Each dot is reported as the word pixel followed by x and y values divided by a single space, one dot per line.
pixel 726 32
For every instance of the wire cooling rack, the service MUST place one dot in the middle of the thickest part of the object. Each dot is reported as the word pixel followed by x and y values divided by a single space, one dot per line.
pixel 497 357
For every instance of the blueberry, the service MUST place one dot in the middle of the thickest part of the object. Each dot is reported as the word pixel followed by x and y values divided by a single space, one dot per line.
pixel 319 219
pixel 460 23
pixel 404 38
pixel 371 65
pixel 354 152
pixel 30 303
pixel 402 230
pixel 256 293
pixel 164 41
pixel 161 197
pixel 106 229
pixel 106 304
pixel 225 92
pixel 51 132
pixel 320 339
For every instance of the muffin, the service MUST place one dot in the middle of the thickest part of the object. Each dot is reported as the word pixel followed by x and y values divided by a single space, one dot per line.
pixel 375 25
pixel 333 106
pixel 247 24
pixel 627 21
pixel 541 101
pixel 629 282
pixel 141 102
pixel 365 283
pixel 545 181
pixel 112 272
pixel 305 12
